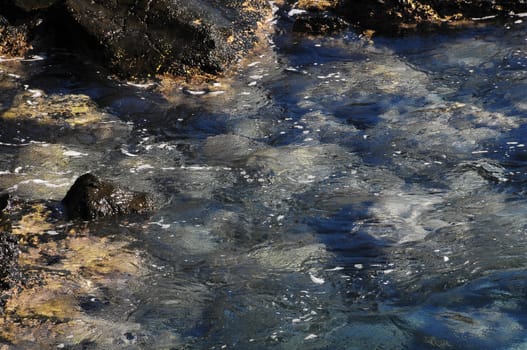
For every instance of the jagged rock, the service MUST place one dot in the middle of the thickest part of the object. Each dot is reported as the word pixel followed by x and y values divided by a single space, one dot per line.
pixel 91 198
pixel 174 36
pixel 396 16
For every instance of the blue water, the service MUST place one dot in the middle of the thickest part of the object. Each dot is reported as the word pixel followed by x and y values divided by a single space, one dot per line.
pixel 336 193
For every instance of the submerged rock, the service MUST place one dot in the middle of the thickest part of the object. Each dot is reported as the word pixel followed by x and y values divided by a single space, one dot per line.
pixel 92 198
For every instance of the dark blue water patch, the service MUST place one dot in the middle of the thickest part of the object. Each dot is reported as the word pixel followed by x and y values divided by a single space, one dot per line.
pixel 341 232
pixel 302 52
pixel 184 122
pixel 510 152
pixel 362 115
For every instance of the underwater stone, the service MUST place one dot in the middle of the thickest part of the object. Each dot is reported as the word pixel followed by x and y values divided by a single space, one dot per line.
pixel 91 198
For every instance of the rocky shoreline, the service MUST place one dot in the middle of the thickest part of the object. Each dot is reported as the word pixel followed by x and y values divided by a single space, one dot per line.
pixel 185 38
pixel 39 264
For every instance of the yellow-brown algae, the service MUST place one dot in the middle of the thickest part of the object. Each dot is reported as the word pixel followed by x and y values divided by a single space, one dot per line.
pixel 47 311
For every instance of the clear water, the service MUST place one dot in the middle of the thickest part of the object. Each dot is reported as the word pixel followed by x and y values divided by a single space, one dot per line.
pixel 336 193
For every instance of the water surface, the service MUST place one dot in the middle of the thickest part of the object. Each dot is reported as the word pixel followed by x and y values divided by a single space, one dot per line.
pixel 336 193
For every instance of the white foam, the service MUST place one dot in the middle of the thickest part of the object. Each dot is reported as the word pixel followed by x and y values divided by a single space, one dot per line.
pixel 74 154
pixel 35 93
pixel 141 86
pixel 336 268
pixel 144 167
pixel 316 280
pixel 295 12
pixel 43 183
pixel 196 92
pixel 161 224
pixel 483 18
pixel 125 152
pixel 216 93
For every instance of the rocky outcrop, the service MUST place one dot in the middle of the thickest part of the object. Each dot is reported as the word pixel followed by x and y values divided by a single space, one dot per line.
pixel 170 36
pixel 182 37
pixel 92 198
pixel 392 16
pixel 146 37
pixel 399 16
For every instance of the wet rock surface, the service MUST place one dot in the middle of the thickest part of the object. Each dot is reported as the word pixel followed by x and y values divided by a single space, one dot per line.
pixel 394 17
pixel 181 37
pixel 138 39
pixel 170 36
pixel 397 16
pixel 92 198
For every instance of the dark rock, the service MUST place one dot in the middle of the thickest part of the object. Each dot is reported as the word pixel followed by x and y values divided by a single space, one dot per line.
pixel 34 5
pixel 399 16
pixel 143 37
pixel 4 200
pixel 9 272
pixel 319 23
pixel 92 198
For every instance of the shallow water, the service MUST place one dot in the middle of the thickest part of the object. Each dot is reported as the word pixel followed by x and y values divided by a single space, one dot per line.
pixel 337 193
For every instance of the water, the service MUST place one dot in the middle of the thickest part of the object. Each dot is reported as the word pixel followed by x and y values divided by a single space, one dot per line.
pixel 335 193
